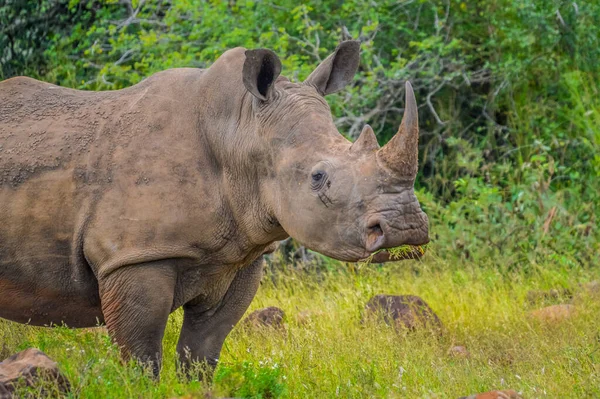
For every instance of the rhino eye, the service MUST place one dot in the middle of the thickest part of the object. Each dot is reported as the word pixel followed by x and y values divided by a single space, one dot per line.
pixel 318 179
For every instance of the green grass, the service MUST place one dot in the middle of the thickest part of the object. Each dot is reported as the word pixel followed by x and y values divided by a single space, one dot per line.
pixel 333 354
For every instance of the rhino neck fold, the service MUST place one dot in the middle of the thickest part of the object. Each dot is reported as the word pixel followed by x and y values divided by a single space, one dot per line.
pixel 243 164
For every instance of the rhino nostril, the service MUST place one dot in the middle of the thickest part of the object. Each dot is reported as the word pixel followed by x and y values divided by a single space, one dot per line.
pixel 375 237
pixel 376 229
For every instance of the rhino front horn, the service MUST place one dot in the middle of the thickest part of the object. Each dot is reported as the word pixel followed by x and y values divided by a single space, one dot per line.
pixel 401 152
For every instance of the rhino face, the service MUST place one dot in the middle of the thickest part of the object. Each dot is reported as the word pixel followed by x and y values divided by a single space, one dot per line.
pixel 345 200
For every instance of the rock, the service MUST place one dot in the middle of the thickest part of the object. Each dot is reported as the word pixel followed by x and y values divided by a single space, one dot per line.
pixel 589 290
pixel 501 359
pixel 29 368
pixel 554 295
pixel 266 317
pixel 592 288
pixel 554 313
pixel 459 351
pixel 508 394
pixel 403 311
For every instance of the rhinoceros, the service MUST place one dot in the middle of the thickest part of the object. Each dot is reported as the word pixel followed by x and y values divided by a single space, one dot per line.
pixel 119 207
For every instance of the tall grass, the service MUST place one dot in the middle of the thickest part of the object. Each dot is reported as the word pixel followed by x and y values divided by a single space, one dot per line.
pixel 330 353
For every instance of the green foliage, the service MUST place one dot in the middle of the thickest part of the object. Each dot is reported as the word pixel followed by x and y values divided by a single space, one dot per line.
pixel 509 93
pixel 27 28
pixel 249 380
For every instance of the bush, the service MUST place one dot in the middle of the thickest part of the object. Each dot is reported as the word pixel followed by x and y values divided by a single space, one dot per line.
pixel 508 90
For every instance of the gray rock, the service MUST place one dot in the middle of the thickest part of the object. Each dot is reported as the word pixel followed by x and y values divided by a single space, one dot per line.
pixel 271 316
pixel 30 368
pixel 591 289
pixel 403 312
pixel 459 351
pixel 553 296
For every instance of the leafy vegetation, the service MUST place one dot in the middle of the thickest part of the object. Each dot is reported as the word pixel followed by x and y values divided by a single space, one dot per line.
pixel 509 95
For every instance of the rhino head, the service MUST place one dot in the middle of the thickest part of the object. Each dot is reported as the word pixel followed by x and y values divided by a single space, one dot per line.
pixel 342 199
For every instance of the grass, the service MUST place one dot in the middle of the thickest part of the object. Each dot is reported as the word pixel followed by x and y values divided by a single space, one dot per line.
pixel 333 354
pixel 398 253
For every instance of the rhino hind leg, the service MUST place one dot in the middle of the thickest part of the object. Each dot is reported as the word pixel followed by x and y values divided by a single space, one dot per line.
pixel 136 303
pixel 205 329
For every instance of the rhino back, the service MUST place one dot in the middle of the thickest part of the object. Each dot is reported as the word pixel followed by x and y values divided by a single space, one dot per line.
pixel 41 128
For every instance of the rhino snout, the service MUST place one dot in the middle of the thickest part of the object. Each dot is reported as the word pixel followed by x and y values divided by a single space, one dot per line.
pixel 382 234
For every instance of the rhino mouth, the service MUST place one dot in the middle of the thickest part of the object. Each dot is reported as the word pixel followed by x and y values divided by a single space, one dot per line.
pixel 395 254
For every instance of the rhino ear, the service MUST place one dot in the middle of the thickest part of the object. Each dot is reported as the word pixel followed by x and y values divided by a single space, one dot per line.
pixel 337 70
pixel 261 69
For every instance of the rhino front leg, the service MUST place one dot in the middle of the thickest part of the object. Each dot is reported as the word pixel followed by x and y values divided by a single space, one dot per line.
pixel 136 302
pixel 205 329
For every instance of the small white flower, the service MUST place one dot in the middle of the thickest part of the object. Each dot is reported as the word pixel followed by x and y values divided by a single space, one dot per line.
pixel 401 372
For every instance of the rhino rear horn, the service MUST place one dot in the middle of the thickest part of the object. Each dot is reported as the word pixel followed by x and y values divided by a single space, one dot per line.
pixel 366 142
pixel 333 74
pixel 401 152
pixel 261 69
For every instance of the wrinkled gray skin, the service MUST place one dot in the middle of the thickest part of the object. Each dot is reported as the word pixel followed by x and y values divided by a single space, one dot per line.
pixel 119 207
